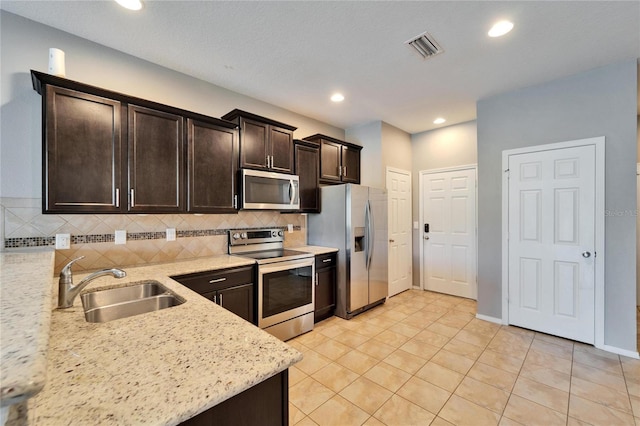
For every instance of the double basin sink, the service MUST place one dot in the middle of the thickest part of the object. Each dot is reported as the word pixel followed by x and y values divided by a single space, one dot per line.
pixel 122 302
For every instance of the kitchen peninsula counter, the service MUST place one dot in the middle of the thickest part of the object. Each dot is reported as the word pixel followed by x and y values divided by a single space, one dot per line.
pixel 25 318
pixel 157 368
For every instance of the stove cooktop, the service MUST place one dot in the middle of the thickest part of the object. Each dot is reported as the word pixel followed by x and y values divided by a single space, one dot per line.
pixel 275 254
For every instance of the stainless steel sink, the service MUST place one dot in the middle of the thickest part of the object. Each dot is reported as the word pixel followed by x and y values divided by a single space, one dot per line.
pixel 123 302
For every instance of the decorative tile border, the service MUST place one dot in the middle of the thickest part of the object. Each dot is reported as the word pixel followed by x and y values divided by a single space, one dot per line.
pixel 136 236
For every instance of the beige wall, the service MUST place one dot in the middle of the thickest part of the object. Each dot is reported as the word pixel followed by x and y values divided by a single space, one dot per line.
pixel 369 135
pixel 386 146
pixel 396 149
pixel 445 147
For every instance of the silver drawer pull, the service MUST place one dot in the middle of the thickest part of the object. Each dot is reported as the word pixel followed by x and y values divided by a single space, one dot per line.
pixel 218 280
pixel 326 260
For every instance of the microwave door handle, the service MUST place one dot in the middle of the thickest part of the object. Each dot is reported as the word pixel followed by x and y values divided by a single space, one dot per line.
pixel 292 191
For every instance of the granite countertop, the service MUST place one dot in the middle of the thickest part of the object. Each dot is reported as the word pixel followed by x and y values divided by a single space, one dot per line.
pixel 315 249
pixel 25 317
pixel 161 367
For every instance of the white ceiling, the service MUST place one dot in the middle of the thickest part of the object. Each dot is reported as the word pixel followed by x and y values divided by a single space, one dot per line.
pixel 296 54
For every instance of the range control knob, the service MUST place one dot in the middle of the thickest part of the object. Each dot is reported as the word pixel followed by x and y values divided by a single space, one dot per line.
pixel 236 236
pixel 280 233
pixel 274 233
pixel 243 235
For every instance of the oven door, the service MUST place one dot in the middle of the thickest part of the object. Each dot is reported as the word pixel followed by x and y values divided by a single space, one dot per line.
pixel 285 290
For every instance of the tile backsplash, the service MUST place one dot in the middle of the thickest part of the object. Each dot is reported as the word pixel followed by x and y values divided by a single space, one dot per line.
pixel 22 224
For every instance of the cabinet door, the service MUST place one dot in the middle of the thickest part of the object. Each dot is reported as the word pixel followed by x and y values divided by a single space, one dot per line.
pixel 281 141
pixel 330 161
pixel 212 164
pixel 83 145
pixel 254 139
pixel 307 167
pixel 155 161
pixel 350 164
pixel 238 300
pixel 325 289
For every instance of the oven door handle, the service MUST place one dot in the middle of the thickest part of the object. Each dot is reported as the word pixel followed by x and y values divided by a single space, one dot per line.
pixel 292 192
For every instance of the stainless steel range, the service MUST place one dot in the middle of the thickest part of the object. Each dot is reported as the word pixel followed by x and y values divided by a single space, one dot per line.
pixel 285 281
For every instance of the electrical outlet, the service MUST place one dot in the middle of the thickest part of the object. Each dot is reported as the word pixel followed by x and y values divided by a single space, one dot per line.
pixel 290 227
pixel 121 237
pixel 171 234
pixel 63 241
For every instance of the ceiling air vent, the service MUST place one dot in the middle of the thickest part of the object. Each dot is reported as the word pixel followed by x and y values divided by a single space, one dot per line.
pixel 425 45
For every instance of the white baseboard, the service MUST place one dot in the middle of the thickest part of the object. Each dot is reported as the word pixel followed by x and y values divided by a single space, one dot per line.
pixel 619 351
pixel 488 318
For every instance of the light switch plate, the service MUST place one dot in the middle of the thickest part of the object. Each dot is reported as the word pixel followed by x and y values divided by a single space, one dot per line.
pixel 171 234
pixel 416 225
pixel 290 227
pixel 63 241
pixel 121 237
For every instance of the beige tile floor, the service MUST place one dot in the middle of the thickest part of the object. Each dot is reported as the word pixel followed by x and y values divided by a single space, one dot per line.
pixel 423 358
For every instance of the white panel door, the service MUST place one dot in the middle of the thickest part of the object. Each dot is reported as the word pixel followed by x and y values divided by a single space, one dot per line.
pixel 399 205
pixel 449 208
pixel 552 241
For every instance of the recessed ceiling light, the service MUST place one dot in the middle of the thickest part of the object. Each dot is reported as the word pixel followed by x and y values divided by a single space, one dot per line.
pixel 439 120
pixel 130 4
pixel 337 97
pixel 500 28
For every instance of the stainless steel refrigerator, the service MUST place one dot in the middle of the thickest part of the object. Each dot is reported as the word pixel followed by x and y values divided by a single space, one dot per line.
pixel 354 220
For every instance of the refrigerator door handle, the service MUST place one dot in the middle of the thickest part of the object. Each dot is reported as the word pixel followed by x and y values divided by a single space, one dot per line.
pixel 372 234
pixel 369 234
pixel 366 235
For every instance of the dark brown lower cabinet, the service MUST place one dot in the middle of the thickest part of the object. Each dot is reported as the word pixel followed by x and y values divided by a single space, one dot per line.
pixel 233 289
pixel 325 303
pixel 238 300
pixel 265 404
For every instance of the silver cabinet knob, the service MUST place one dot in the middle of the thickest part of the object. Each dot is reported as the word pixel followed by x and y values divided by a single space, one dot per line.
pixel 586 254
pixel 392 241
pixel 426 238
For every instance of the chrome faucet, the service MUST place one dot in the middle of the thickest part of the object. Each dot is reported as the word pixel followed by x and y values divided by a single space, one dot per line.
pixel 67 292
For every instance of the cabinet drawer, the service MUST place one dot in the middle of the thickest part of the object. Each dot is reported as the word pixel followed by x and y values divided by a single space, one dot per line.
pixel 204 282
pixel 325 260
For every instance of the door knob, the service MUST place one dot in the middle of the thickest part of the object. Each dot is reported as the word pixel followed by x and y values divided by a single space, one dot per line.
pixel 426 237
pixel 586 254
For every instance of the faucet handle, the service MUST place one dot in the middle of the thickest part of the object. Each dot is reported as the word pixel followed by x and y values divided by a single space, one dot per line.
pixel 65 273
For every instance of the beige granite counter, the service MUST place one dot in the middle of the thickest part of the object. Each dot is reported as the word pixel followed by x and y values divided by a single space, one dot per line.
pixel 315 249
pixel 158 368
pixel 25 316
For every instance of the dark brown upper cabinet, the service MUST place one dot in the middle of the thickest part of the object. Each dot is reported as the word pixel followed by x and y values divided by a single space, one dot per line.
pixel 156 164
pixel 107 152
pixel 339 160
pixel 265 144
pixel 307 167
pixel 212 163
pixel 82 162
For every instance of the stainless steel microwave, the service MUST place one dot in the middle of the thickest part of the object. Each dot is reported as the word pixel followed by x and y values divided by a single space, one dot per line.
pixel 269 191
